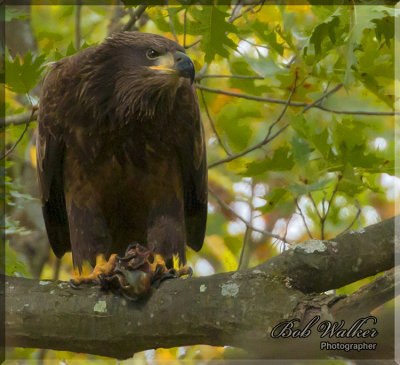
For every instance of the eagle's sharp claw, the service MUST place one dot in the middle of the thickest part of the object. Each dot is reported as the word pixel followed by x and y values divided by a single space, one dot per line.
pixel 73 285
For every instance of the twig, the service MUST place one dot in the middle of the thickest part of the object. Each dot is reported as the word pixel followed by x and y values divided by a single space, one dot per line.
pixel 18 119
pixel 293 103
pixel 295 199
pixel 225 148
pixel 287 228
pixel 114 26
pixel 245 77
pixel 134 17
pixel 235 11
pixel 245 251
pixel 315 207
pixel 184 27
pixel 171 24
pixel 324 96
pixel 268 138
pixel 78 10
pixel 329 207
pixel 20 137
pixel 245 152
pixel 246 10
pixel 252 43
pixel 193 44
pixel 355 218
pixel 227 207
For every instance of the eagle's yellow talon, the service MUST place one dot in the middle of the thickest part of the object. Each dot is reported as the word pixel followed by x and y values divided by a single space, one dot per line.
pixel 103 267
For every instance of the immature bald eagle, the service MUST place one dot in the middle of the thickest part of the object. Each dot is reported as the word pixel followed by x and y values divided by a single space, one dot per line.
pixel 120 150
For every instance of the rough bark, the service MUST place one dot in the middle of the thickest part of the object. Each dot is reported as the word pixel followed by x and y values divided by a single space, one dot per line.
pixel 234 308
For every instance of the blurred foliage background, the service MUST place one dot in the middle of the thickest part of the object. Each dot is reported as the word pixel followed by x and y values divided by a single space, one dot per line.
pixel 298 105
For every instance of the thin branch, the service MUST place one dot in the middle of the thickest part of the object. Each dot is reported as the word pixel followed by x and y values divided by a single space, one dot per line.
pixel 295 199
pixel 228 208
pixel 323 219
pixel 286 230
pixel 251 149
pixel 225 148
pixel 114 25
pixel 78 10
pixel 20 137
pixel 246 10
pixel 355 218
pixel 293 103
pixel 315 206
pixel 252 43
pixel 235 11
pixel 171 24
pixel 193 44
pixel 134 17
pixel 245 77
pixel 184 27
pixel 323 97
pixel 245 251
pixel 18 119
pixel 268 138
pixel 323 202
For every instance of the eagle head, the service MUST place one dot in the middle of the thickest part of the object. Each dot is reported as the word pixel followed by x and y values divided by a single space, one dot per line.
pixel 135 76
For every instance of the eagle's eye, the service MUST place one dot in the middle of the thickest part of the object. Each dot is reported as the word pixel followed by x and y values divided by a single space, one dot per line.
pixel 151 54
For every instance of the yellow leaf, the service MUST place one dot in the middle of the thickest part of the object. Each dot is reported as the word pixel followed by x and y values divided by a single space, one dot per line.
pixel 221 251
pixel 32 154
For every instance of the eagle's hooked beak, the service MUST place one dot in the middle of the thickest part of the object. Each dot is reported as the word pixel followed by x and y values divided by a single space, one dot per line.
pixel 184 65
pixel 179 62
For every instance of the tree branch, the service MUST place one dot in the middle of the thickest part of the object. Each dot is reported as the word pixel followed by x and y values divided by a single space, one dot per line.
pixel 45 314
pixel 369 297
pixel 135 17
pixel 293 103
pixel 268 138
pixel 78 10
pixel 21 136
pixel 238 216
pixel 244 77
pixel 18 119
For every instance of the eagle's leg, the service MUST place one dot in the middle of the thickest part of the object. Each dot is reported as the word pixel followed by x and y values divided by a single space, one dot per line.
pixel 165 270
pixel 103 267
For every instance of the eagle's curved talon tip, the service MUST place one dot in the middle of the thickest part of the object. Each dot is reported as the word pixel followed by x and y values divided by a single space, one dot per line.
pixel 73 285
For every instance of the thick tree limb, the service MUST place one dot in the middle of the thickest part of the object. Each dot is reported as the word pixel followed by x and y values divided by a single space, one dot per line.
pixel 234 308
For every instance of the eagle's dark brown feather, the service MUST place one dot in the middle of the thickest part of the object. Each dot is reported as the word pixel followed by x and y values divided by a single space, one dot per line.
pixel 121 153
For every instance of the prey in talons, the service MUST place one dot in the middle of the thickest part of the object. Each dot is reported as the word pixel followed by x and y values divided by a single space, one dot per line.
pixel 134 274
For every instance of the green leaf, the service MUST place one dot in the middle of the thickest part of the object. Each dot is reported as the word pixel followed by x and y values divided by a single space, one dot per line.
pixel 302 189
pixel 212 25
pixel 325 30
pixel 320 141
pixel 273 198
pixel 301 126
pixel 71 50
pixel 282 160
pixel 364 17
pixel 264 66
pixel 13 13
pixel 234 122
pixel 384 27
pixel 22 77
pixel 301 150
pixel 14 266
pixel 268 36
